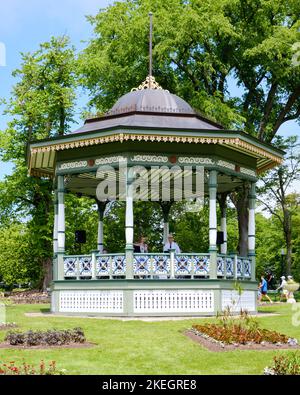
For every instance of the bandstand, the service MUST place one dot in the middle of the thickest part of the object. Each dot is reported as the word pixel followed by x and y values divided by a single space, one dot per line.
pixel 153 128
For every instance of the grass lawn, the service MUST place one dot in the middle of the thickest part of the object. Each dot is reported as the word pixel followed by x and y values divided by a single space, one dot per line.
pixel 137 347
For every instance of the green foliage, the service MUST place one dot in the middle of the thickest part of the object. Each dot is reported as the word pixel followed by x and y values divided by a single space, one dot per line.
pixel 18 263
pixel 276 197
pixel 198 47
pixel 51 337
pixel 286 364
pixel 41 106
pixel 147 222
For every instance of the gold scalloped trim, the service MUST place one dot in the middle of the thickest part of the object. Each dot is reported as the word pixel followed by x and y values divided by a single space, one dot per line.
pixel 156 138
pixel 149 83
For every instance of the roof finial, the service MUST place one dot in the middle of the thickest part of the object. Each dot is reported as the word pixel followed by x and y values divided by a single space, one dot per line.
pixel 150 48
pixel 150 82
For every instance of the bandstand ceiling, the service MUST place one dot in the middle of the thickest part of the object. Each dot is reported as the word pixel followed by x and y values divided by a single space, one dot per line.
pixel 86 184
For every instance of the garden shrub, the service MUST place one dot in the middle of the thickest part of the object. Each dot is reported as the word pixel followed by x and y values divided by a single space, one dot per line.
pixel 283 365
pixel 51 337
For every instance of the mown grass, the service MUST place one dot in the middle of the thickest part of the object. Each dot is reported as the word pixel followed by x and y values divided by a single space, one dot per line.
pixel 138 347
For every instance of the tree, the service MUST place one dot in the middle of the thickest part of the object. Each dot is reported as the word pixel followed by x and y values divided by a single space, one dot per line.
pixel 41 106
pixel 276 195
pixel 17 262
pixel 199 46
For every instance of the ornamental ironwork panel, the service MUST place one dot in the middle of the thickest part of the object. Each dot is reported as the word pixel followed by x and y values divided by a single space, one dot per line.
pixel 247 267
pixel 119 265
pixel 102 266
pixel 142 264
pixel 229 266
pixel 161 264
pixel 220 266
pixel 70 267
pixel 85 266
pixel 239 267
pixel 201 265
pixel 183 265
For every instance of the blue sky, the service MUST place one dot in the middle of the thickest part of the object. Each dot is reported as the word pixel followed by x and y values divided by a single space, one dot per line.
pixel 24 24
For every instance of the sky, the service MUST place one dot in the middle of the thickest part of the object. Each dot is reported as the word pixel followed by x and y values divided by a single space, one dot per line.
pixel 24 24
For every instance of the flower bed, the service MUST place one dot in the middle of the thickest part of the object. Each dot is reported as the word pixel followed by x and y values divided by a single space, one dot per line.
pixel 49 338
pixel 284 365
pixel 11 369
pixel 236 333
pixel 243 331
pixel 28 297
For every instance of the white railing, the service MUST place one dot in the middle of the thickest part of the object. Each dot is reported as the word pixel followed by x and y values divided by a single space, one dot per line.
pixel 233 266
pixel 94 266
pixel 155 266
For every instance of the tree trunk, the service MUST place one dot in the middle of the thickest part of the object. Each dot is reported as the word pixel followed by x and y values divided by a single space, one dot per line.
pixel 287 227
pixel 47 270
pixel 240 200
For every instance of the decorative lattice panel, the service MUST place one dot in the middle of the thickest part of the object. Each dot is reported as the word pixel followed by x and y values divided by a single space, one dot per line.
pixel 236 302
pixel 201 265
pixel 176 301
pixel 247 267
pixel 161 264
pixel 142 265
pixel 85 266
pixel 220 266
pixel 103 266
pixel 183 265
pixel 119 265
pixel 70 267
pixel 91 301
pixel 239 267
pixel 229 266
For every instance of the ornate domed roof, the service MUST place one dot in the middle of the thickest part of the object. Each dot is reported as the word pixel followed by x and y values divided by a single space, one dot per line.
pixel 150 97
pixel 149 106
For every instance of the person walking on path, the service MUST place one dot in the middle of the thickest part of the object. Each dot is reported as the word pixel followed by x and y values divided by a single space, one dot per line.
pixel 283 291
pixel 263 288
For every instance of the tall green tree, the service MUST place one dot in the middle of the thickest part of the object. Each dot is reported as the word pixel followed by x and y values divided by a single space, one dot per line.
pixel 276 195
pixel 41 106
pixel 200 47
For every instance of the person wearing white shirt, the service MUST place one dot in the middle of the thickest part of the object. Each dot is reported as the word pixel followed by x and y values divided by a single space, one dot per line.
pixel 171 245
pixel 282 287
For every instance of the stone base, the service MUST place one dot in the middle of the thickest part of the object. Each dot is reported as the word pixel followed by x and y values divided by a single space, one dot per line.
pixel 137 298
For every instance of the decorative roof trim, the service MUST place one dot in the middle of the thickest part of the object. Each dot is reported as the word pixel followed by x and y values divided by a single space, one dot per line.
pixel 231 141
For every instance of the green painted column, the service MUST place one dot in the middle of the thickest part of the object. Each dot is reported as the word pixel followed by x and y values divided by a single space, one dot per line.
pixel 101 205
pixel 55 226
pixel 129 225
pixel 251 229
pixel 212 185
pixel 55 236
pixel 60 227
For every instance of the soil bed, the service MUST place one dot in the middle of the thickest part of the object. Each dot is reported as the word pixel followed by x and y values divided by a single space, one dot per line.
pixel 211 345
